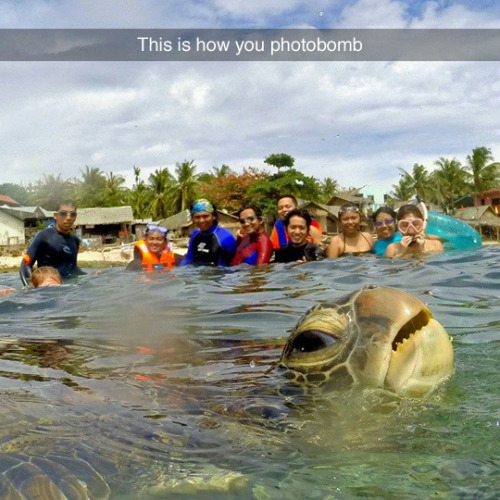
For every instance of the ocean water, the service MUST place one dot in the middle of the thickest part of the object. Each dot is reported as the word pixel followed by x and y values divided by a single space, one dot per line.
pixel 162 386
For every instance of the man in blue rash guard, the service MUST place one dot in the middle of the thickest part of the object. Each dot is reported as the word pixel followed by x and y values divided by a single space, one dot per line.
pixel 210 244
pixel 54 246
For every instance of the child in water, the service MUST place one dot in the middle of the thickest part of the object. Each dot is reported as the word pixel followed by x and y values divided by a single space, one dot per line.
pixel 45 276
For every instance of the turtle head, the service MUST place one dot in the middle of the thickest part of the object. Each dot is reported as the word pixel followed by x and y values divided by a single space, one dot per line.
pixel 378 337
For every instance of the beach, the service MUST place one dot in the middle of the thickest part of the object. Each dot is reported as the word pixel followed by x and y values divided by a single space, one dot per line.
pixel 111 256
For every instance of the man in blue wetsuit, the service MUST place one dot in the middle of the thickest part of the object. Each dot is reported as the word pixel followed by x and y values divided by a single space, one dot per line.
pixel 210 244
pixel 54 246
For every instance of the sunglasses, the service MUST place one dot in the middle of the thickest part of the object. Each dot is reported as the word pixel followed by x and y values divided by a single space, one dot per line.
pixel 404 225
pixel 65 213
pixel 348 208
pixel 387 222
pixel 153 228
pixel 248 220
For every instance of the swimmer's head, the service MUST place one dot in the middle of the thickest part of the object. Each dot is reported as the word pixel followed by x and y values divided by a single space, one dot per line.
pixel 45 276
pixel 204 214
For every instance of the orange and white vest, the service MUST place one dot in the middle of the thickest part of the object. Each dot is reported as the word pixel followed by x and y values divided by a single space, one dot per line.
pixel 150 262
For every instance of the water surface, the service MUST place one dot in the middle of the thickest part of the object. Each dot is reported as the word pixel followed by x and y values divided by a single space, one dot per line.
pixel 162 380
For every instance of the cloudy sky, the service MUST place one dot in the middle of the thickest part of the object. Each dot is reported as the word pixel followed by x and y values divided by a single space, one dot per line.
pixel 356 122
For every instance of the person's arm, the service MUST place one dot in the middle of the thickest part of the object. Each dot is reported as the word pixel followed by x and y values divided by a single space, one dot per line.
pixel 189 257
pixel 76 270
pixel 229 245
pixel 264 250
pixel 333 249
pixel 134 265
pixel 315 234
pixel 29 259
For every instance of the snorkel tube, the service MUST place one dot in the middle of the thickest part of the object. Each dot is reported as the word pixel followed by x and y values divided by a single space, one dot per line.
pixel 453 233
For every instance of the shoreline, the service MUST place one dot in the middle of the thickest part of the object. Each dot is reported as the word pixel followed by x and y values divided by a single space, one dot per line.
pixel 107 257
pixel 114 257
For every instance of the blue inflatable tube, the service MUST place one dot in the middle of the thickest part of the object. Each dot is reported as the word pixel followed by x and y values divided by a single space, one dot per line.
pixel 455 234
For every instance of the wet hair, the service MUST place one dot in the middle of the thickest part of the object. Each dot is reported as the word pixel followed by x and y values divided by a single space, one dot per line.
pixel 385 210
pixel 68 203
pixel 256 210
pixel 43 272
pixel 409 209
pixel 296 212
pixel 291 196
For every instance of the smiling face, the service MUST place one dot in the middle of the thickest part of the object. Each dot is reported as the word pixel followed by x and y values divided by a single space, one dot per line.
pixel 350 222
pixel 203 220
pixel 410 225
pixel 297 230
pixel 385 225
pixel 284 206
pixel 65 218
pixel 250 223
pixel 155 242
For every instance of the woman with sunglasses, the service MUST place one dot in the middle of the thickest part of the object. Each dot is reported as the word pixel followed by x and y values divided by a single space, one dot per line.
pixel 254 245
pixel 153 253
pixel 384 220
pixel 352 241
pixel 413 241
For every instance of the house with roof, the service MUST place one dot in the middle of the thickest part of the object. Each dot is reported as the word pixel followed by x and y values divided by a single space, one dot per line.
pixel 482 218
pixel 490 197
pixel 180 225
pixel 31 218
pixel 106 224
pixel 8 201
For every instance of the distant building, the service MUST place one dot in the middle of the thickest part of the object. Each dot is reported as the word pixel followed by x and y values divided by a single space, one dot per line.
pixel 490 197
pixel 108 224
pixel 11 228
pixel 32 219
pixel 482 218
pixel 8 201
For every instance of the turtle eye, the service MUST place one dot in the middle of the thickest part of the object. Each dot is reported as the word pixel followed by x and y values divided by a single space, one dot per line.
pixel 311 341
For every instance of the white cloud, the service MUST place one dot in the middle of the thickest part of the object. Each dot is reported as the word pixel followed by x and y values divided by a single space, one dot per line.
pixel 355 122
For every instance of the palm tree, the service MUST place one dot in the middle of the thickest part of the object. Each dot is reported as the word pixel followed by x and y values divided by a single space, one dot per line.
pixel 91 187
pixel 115 194
pixel 184 187
pixel 405 189
pixel 420 180
pixel 450 182
pixel 328 188
pixel 139 196
pixel 160 203
pixel 483 176
pixel 51 191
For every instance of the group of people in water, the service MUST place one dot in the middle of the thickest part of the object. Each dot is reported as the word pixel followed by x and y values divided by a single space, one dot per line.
pixel 295 237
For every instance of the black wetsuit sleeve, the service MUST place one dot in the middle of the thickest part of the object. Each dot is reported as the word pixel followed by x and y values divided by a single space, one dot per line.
pixel 135 265
pixel 31 257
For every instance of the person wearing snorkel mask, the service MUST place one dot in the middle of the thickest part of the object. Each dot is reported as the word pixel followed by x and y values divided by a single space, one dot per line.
pixel 153 253
pixel 413 241
pixel 210 244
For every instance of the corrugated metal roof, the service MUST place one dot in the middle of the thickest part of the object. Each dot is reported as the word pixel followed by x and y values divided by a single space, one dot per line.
pixel 103 215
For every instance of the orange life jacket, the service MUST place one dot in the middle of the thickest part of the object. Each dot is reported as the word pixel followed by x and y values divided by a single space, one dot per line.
pixel 150 262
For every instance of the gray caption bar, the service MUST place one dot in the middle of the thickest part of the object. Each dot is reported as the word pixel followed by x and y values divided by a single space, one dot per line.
pixel 250 45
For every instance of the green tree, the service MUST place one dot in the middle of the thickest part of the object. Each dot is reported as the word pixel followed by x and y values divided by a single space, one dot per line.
pixel 184 187
pixel 450 181
pixel 280 160
pixel 160 202
pixel 404 190
pixel 419 179
pixel 139 196
pixel 17 192
pixel 91 189
pixel 328 187
pixel 485 173
pixel 266 191
pixel 51 190
pixel 115 193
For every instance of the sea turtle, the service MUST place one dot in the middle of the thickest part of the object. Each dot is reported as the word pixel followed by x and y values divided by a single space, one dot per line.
pixel 377 337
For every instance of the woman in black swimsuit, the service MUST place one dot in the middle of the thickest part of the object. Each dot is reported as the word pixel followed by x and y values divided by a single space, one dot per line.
pixel 352 241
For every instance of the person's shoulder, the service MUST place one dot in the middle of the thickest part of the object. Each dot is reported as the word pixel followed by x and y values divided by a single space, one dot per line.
pixel 224 232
